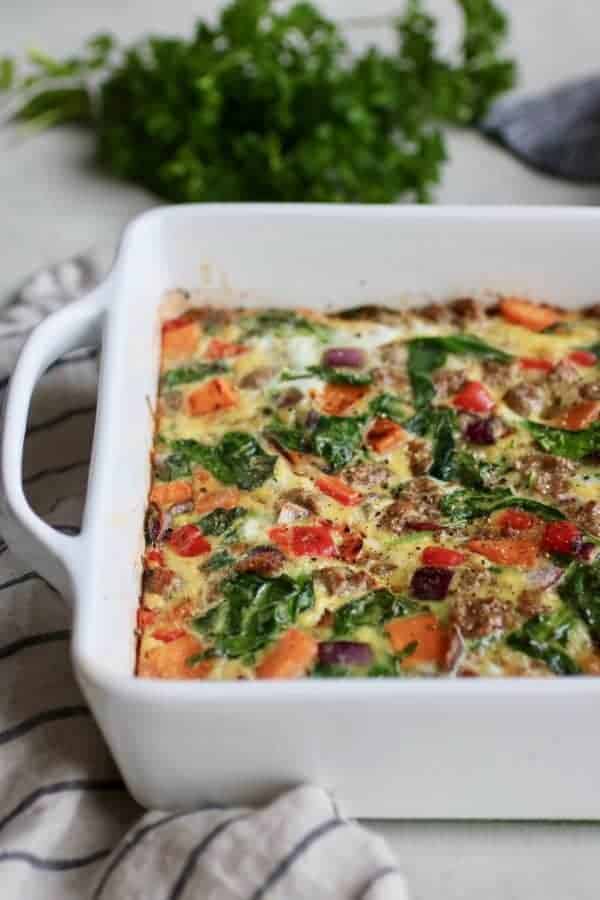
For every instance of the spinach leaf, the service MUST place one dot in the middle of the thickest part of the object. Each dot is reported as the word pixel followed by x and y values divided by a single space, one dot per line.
pixel 283 322
pixel 237 459
pixel 218 560
pixel 470 345
pixel 580 589
pixel 293 437
pixel 389 406
pixel 331 375
pixel 219 520
pixel 337 440
pixel 390 665
pixel 373 608
pixel 175 466
pixel 254 611
pixel 442 466
pixel 464 505
pixel 475 473
pixel 187 374
pixel 543 638
pixel 561 442
pixel 425 355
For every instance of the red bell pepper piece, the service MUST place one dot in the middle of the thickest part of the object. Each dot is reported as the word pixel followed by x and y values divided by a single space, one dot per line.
pixel 442 556
pixel 516 520
pixel 542 365
pixel 304 540
pixel 583 358
pixel 561 537
pixel 338 490
pixel 475 398
pixel 188 541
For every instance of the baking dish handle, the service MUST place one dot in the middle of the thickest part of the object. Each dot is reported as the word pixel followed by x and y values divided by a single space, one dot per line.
pixel 47 550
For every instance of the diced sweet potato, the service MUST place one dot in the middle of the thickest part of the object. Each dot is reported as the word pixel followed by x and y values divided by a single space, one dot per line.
pixel 292 655
pixel 215 395
pixel 223 499
pixel 338 398
pixel 530 315
pixel 169 660
pixel 580 415
pixel 507 551
pixel 384 434
pixel 168 493
pixel 182 341
pixel 426 631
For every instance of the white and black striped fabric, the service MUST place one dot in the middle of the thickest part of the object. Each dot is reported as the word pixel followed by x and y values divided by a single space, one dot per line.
pixel 68 828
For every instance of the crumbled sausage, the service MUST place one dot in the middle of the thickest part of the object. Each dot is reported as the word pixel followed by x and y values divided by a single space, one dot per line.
pixel 588 517
pixel 301 498
pixel 563 373
pixel 157 580
pixel 394 353
pixel 391 377
pixel 477 617
pixel 533 603
pixel 172 400
pixel 547 474
pixel 497 374
pixel 448 382
pixel 466 309
pixel 433 312
pixel 590 390
pixel 265 560
pixel 341 581
pixel 473 578
pixel 419 457
pixel 367 474
pixel 525 399
pixel 291 397
pixel 418 504
pixel 257 378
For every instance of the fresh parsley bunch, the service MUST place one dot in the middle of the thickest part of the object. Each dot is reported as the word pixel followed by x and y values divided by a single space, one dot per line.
pixel 270 105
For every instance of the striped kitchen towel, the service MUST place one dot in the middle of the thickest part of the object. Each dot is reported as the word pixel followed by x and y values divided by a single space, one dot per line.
pixel 68 828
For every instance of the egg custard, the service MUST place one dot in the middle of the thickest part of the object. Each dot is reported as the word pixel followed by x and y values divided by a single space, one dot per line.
pixel 375 493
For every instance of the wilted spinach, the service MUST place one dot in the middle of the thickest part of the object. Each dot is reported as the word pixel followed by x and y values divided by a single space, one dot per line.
pixel 544 637
pixel 466 504
pixel 580 590
pixel 237 459
pixel 561 442
pixel 187 374
pixel 219 520
pixel 371 609
pixel 253 612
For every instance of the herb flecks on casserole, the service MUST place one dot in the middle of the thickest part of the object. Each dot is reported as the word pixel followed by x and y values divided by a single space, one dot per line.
pixel 375 493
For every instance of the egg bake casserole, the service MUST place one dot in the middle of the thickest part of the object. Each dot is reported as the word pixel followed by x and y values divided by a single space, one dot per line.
pixel 375 493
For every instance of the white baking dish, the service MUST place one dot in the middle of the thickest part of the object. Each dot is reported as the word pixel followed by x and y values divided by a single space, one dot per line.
pixel 418 748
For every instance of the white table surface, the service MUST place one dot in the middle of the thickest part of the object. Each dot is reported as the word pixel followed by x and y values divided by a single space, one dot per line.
pixel 54 203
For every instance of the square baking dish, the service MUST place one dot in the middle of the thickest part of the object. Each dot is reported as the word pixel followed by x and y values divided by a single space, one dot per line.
pixel 422 748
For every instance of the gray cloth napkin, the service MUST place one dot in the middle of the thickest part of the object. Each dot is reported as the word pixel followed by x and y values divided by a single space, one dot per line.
pixel 557 132
pixel 68 828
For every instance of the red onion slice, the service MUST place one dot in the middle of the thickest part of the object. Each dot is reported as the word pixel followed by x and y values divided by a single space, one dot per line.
pixel 431 582
pixel 353 357
pixel 345 653
pixel 544 576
